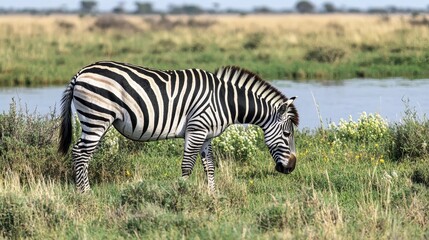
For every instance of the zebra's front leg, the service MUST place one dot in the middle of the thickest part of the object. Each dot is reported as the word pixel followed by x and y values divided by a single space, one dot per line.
pixel 193 143
pixel 209 167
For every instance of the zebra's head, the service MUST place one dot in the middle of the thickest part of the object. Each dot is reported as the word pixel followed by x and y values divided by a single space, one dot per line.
pixel 279 136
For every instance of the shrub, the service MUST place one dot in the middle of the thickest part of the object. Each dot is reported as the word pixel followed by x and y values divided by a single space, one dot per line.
pixel 411 135
pixel 23 215
pixel 165 23
pixel 193 47
pixel 368 128
pixel 31 129
pixel 421 174
pixel 28 144
pixel 239 142
pixel 366 47
pixel 106 22
pixel 325 54
pixel 299 74
pixel 67 26
pixel 14 216
pixel 253 41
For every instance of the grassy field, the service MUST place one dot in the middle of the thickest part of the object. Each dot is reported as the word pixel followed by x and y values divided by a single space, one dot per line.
pixel 47 50
pixel 356 179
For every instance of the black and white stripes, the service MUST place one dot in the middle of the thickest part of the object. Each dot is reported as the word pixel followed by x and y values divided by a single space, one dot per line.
pixel 145 104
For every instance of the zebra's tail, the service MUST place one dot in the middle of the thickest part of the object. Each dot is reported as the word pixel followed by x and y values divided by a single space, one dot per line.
pixel 66 131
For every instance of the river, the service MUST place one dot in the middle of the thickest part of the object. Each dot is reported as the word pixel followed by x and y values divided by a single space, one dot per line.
pixel 326 101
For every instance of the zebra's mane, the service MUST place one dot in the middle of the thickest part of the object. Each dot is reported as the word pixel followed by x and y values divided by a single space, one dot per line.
pixel 235 73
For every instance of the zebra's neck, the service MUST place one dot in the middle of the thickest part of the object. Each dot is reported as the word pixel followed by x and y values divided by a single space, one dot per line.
pixel 250 99
pixel 253 109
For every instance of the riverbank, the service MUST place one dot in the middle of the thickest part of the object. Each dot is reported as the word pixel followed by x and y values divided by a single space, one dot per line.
pixel 355 178
pixel 49 50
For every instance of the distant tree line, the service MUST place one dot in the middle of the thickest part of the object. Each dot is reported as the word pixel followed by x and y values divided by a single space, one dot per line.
pixel 303 6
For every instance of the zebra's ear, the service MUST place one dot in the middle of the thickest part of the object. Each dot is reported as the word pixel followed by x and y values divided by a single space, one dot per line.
pixel 290 101
pixel 285 105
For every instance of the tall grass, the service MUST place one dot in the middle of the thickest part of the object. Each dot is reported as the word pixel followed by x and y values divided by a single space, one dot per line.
pixel 46 50
pixel 349 183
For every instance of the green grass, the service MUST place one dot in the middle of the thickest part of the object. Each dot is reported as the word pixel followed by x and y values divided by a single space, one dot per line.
pixel 359 178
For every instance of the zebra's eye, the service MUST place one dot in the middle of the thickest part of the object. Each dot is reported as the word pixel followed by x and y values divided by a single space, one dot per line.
pixel 286 133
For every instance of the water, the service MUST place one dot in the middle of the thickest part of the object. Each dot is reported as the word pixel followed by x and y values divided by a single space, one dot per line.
pixel 327 101
pixel 35 100
pixel 331 101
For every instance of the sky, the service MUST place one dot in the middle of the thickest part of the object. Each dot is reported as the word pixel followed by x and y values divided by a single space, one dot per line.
pixel 108 5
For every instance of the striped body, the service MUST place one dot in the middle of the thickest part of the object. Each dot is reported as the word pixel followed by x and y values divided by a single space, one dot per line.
pixel 149 104
pixel 145 105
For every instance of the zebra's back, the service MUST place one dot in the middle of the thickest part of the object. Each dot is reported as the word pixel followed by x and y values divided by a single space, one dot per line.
pixel 143 104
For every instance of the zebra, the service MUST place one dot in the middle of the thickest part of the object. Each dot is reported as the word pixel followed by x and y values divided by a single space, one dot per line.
pixel 144 104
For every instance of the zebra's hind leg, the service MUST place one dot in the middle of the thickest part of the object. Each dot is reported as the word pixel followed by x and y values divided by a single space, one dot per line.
pixel 209 167
pixel 82 153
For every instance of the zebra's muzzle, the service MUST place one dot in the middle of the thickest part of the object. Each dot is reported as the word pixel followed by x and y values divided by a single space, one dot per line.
pixel 286 168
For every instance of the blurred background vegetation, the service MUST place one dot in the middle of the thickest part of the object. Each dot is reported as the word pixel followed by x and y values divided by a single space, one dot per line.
pixel 147 7
pixel 48 47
